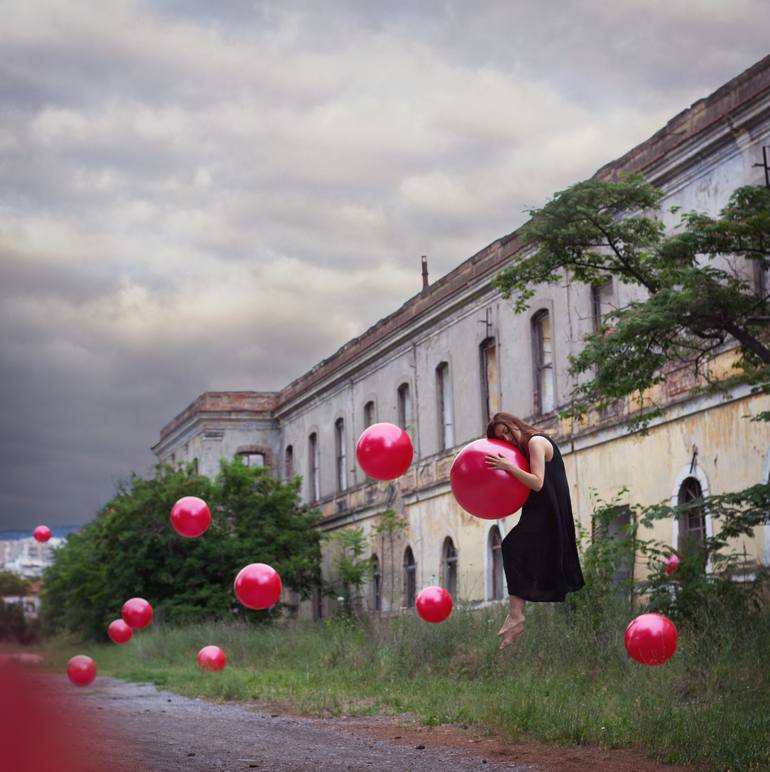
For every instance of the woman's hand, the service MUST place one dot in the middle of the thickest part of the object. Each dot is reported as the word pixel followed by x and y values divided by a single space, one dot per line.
pixel 497 462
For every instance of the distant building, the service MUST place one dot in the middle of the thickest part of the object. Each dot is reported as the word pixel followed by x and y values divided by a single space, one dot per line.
pixel 27 557
pixel 454 353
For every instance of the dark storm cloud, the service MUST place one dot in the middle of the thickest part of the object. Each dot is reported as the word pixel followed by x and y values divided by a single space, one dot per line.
pixel 187 187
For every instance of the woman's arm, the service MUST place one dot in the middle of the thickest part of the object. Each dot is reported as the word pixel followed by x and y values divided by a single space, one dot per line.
pixel 532 479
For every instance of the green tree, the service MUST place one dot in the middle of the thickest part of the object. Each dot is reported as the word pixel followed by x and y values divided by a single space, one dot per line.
pixel 130 549
pixel 11 584
pixel 691 304
pixel 351 567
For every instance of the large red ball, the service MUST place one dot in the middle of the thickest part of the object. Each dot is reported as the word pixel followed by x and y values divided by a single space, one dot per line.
pixel 258 586
pixel 651 639
pixel 42 533
pixel 434 604
pixel 81 670
pixel 483 491
pixel 384 451
pixel 119 631
pixel 190 516
pixel 137 613
pixel 211 658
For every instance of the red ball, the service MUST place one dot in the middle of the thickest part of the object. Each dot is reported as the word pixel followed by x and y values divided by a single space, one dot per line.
pixel 434 604
pixel 258 586
pixel 483 491
pixel 81 670
pixel 42 533
pixel 190 517
pixel 119 631
pixel 384 451
pixel 137 613
pixel 671 563
pixel 651 639
pixel 211 658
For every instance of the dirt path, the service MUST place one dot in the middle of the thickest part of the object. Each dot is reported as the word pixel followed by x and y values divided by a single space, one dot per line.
pixel 142 728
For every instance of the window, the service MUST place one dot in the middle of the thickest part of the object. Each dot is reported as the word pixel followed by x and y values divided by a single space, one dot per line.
pixel 443 392
pixel 368 414
pixel 404 405
pixel 252 459
pixel 314 478
pixel 761 270
pixel 601 302
pixel 318 603
pixel 615 528
pixel 376 584
pixel 692 520
pixel 410 578
pixel 196 468
pixel 496 563
pixel 542 349
pixel 288 462
pixel 341 455
pixel 449 566
pixel 490 391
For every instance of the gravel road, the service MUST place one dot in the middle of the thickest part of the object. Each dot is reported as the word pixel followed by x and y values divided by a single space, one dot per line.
pixel 143 729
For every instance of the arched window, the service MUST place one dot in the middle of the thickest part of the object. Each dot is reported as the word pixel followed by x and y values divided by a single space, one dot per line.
pixel 410 578
pixel 196 467
pixel 692 520
pixel 490 389
pixel 288 462
pixel 495 557
pixel 601 302
pixel 314 468
pixel 542 360
pixel 404 405
pixel 341 454
pixel 444 399
pixel 376 584
pixel 449 566
pixel 368 414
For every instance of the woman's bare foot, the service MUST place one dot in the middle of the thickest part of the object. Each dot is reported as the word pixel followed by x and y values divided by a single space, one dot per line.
pixel 510 631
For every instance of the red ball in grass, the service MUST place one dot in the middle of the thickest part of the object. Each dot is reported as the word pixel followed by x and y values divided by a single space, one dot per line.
pixel 434 604
pixel 258 586
pixel 119 631
pixel 671 563
pixel 211 658
pixel 137 613
pixel 651 639
pixel 42 533
pixel 190 517
pixel 81 670
pixel 483 491
pixel 384 451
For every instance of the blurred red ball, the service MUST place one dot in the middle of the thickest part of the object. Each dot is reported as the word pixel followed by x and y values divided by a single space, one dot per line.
pixel 81 670
pixel 137 613
pixel 190 517
pixel 671 563
pixel 651 639
pixel 211 658
pixel 258 586
pixel 434 604
pixel 119 631
pixel 42 533
pixel 384 451
pixel 486 492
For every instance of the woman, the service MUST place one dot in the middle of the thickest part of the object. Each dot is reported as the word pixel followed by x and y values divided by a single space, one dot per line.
pixel 540 555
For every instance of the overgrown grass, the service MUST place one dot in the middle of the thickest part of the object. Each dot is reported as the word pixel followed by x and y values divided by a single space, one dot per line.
pixel 568 680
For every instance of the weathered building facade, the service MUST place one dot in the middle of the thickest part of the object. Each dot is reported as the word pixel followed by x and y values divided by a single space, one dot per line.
pixel 455 353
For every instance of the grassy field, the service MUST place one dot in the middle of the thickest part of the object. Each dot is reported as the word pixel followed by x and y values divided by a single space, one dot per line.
pixel 565 681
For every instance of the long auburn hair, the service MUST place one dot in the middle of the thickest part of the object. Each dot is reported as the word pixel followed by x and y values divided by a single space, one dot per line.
pixel 511 422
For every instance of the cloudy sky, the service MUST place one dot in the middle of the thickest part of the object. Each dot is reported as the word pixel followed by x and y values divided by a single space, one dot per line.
pixel 203 194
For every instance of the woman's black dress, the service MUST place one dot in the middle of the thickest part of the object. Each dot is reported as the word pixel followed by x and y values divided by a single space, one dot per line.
pixel 540 555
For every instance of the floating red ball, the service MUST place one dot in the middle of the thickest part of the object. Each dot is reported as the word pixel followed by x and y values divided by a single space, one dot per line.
pixel 384 451
pixel 258 586
pixel 137 613
pixel 651 639
pixel 81 670
pixel 190 517
pixel 434 604
pixel 211 658
pixel 486 492
pixel 671 563
pixel 42 533
pixel 119 631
